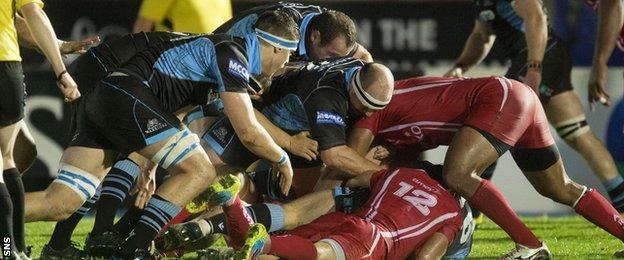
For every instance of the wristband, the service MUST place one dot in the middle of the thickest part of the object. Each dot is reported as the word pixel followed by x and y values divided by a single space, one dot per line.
pixel 534 65
pixel 282 160
pixel 58 78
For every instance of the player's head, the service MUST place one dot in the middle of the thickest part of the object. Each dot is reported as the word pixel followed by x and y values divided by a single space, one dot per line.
pixel 278 35
pixel 330 34
pixel 371 89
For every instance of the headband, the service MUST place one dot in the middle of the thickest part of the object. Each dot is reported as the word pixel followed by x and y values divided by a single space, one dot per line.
pixel 366 99
pixel 277 41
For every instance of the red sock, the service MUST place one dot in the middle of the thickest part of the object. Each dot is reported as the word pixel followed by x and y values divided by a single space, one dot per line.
pixel 292 247
pixel 237 222
pixel 489 200
pixel 595 208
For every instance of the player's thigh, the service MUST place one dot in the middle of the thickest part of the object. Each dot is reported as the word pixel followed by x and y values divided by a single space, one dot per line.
pixel 95 161
pixel 8 134
pixel 563 107
pixel 469 153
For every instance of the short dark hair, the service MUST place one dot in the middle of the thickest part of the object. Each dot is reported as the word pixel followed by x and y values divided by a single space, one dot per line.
pixel 332 24
pixel 278 23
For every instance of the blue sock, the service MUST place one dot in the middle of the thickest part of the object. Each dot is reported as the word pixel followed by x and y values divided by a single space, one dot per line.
pixel 156 215
pixel 615 188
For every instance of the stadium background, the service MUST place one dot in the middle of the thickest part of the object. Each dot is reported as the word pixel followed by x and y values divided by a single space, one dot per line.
pixel 411 37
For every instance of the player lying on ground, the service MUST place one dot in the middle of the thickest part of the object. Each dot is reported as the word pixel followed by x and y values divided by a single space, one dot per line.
pixel 407 210
pixel 480 119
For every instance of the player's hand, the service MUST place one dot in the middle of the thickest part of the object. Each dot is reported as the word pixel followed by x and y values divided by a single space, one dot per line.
pixel 455 72
pixel 68 87
pixel 71 47
pixel 285 176
pixel 378 153
pixel 303 145
pixel 145 187
pixel 596 86
pixel 533 79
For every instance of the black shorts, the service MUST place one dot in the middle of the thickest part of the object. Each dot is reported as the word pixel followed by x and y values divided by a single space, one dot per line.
pixel 13 92
pixel 223 140
pixel 556 69
pixel 87 71
pixel 122 114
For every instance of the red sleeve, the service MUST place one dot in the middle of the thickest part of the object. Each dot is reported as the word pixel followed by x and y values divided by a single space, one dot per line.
pixel 451 227
pixel 371 123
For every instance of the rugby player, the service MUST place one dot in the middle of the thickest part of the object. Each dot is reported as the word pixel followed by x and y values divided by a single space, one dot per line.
pixel 407 211
pixel 541 60
pixel 323 33
pixel 480 119
pixel 179 73
pixel 12 106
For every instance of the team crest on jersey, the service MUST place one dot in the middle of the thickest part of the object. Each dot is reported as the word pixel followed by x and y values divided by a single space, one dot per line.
pixel 487 15
pixel 154 125
pixel 323 117
pixel 237 69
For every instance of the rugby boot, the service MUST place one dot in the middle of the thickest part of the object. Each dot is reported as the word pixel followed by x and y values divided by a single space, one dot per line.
pixel 524 253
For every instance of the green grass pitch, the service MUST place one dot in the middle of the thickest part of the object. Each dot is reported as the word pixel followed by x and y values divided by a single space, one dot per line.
pixel 567 238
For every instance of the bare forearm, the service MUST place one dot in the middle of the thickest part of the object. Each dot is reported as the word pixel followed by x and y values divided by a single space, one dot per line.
pixel 475 50
pixel 536 36
pixel 259 142
pixel 349 161
pixel 277 134
pixel 610 22
pixel 42 32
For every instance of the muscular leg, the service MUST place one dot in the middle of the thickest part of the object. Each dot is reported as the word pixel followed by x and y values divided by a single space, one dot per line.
pixel 562 110
pixel 13 181
pixel 554 183
pixel 189 177
pixel 468 155
pixel 59 200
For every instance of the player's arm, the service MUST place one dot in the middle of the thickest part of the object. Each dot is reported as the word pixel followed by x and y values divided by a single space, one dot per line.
pixel 300 144
pixel 151 12
pixel 238 108
pixel 65 47
pixel 536 34
pixel 42 32
pixel 476 48
pixel 433 248
pixel 610 22
pixel 348 161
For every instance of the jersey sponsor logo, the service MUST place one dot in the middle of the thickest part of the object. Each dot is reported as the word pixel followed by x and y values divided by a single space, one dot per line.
pixel 154 125
pixel 323 117
pixel 237 69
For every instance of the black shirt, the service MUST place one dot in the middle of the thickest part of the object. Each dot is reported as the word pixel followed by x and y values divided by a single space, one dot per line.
pixel 315 98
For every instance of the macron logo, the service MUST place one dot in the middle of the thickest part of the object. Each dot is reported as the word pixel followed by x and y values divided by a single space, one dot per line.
pixel 323 117
pixel 238 70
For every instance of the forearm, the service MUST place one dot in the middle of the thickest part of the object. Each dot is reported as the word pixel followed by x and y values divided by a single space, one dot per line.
pixel 349 161
pixel 259 142
pixel 610 22
pixel 536 36
pixel 42 32
pixel 475 50
pixel 280 137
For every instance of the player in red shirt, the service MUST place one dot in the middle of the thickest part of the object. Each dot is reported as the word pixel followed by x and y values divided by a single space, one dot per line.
pixel 407 210
pixel 480 119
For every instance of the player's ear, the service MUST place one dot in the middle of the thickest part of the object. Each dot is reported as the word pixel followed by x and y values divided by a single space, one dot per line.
pixel 315 37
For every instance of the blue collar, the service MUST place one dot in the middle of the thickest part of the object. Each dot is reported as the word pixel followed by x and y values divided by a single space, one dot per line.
pixel 348 75
pixel 302 34
pixel 252 47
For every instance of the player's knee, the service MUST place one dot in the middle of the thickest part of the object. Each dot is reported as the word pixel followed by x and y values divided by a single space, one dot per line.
pixel 571 129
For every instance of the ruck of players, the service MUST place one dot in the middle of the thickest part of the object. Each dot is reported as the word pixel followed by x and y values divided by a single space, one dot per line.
pixel 279 136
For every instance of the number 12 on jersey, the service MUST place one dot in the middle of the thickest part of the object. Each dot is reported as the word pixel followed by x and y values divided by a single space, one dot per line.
pixel 420 199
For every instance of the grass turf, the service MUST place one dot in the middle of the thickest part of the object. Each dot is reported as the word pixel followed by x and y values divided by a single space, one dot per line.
pixel 567 238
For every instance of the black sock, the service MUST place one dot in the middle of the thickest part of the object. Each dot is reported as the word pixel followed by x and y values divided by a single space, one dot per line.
pixel 6 214
pixel 157 214
pixel 13 181
pixel 115 187
pixel 268 214
pixel 128 222
pixel 61 237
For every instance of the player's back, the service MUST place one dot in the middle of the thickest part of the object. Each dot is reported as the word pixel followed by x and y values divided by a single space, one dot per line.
pixel 408 207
